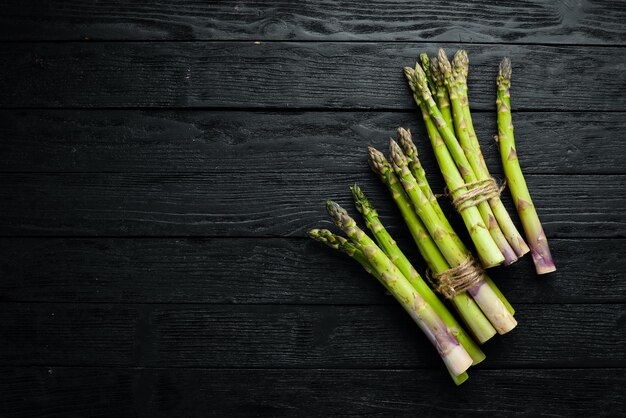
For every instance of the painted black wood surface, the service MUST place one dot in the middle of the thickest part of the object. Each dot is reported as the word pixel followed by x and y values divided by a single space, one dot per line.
pixel 160 163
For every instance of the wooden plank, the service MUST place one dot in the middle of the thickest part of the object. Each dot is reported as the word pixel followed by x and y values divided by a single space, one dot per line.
pixel 279 336
pixel 36 334
pixel 59 391
pixel 382 336
pixel 200 141
pixel 508 21
pixel 256 203
pixel 267 271
pixel 294 75
pixel 396 393
pixel 62 392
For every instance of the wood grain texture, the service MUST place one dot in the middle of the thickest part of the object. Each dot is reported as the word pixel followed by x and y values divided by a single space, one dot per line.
pixel 266 271
pixel 295 75
pixel 62 392
pixel 257 203
pixel 279 336
pixel 273 336
pixel 41 334
pixel 454 21
pixel 231 141
pixel 58 391
pixel 156 185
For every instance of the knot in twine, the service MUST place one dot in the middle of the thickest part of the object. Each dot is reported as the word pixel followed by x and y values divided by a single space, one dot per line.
pixel 456 280
pixel 477 192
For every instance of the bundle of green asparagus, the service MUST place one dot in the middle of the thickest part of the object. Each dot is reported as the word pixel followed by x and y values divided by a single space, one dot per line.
pixel 385 261
pixel 451 132
pixel 440 90
pixel 439 245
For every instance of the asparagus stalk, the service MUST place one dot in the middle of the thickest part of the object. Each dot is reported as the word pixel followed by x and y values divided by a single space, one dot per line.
pixel 464 304
pixel 488 301
pixel 389 246
pixel 451 351
pixel 440 133
pixel 515 179
pixel 456 76
pixel 338 242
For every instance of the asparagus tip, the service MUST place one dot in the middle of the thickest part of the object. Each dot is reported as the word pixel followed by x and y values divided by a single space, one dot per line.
pixel 444 64
pixel 460 63
pixel 403 133
pixel 426 66
pixel 338 214
pixel 435 73
pixel 321 235
pixel 406 143
pixel 504 74
pixel 408 73
pixel 377 160
pixel 329 238
pixel 397 156
pixel 333 207
pixel 419 82
pixel 360 200
pixel 358 195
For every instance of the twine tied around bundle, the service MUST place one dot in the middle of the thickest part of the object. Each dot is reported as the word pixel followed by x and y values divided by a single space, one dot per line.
pixel 457 279
pixel 477 192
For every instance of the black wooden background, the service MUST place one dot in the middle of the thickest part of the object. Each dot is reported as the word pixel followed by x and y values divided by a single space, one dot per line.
pixel 161 161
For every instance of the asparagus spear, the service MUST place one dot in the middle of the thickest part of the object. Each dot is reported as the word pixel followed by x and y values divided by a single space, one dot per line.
pixel 440 133
pixel 389 246
pixel 464 304
pixel 451 351
pixel 515 179
pixel 454 254
pixel 338 242
pixel 456 76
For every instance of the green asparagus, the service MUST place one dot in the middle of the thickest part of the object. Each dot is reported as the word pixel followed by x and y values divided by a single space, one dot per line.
pixel 452 352
pixel 389 246
pixel 439 131
pixel 478 231
pixel 515 179
pixel 444 160
pixel 338 242
pixel 456 76
pixel 454 254
pixel 463 303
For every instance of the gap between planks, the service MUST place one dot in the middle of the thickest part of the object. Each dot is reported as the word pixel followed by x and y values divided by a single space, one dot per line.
pixel 304 41
pixel 475 369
